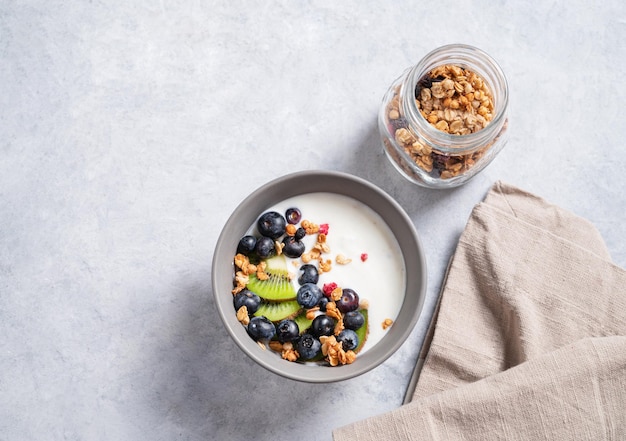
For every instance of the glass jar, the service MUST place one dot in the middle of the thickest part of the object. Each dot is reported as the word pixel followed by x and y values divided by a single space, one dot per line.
pixel 445 119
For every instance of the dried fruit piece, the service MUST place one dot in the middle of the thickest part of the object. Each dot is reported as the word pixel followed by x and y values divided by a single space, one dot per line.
pixel 328 288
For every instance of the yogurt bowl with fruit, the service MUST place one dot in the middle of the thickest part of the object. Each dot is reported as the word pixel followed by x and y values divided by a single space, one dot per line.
pixel 319 276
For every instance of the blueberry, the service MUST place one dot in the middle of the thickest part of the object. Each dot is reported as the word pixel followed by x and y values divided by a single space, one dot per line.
pixel 308 346
pixel 322 325
pixel 349 300
pixel 246 245
pixel 426 82
pixel 261 328
pixel 248 299
pixel 309 274
pixel 322 303
pixel 272 224
pixel 287 330
pixel 348 339
pixel 353 320
pixel 293 215
pixel 309 295
pixel 293 248
pixel 265 247
pixel 300 233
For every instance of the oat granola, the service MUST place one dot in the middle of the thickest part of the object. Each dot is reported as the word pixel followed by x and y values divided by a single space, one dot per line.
pixel 454 100
pixel 333 349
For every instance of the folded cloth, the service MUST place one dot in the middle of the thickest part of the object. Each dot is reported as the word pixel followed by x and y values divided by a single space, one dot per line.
pixel 529 337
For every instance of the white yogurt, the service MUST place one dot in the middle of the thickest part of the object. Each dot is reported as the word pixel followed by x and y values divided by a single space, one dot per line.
pixel 355 229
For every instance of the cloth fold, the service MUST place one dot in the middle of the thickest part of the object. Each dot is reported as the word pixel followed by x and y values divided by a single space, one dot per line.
pixel 529 337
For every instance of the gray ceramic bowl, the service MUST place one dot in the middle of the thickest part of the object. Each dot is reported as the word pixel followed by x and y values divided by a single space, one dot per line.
pixel 309 182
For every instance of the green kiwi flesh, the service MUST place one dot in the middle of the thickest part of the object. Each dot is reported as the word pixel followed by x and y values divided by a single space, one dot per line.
pixel 278 287
pixel 302 322
pixel 277 311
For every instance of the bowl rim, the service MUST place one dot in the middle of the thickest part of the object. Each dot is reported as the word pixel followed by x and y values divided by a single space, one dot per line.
pixel 313 181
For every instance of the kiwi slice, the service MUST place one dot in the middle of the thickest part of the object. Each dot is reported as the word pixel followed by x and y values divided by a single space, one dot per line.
pixel 302 322
pixel 362 331
pixel 278 287
pixel 277 311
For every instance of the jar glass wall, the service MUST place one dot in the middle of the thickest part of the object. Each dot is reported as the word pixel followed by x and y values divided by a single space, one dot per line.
pixel 446 118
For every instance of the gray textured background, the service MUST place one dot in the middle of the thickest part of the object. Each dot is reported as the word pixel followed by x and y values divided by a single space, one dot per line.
pixel 130 130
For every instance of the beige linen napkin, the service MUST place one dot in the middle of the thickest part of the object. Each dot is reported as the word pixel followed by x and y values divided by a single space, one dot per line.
pixel 529 337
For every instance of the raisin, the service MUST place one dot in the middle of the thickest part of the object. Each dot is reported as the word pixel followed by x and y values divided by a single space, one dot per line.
pixel 426 82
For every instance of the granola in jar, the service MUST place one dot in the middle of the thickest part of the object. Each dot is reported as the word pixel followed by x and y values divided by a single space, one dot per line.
pixel 445 119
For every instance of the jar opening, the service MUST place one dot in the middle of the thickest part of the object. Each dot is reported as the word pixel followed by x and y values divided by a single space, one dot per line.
pixel 450 154
pixel 447 68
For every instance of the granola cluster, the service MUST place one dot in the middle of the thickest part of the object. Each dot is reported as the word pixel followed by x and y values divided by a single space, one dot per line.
pixel 387 323
pixel 333 350
pixel 243 270
pixel 243 316
pixel 454 100
pixel 286 350
pixel 319 248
